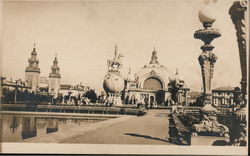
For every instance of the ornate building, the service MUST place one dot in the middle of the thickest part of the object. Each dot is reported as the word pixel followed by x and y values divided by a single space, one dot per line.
pixel 151 83
pixel 54 78
pixel 226 96
pixel 32 72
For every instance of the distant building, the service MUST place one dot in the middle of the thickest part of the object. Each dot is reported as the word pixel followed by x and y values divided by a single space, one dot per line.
pixel 54 78
pixel 44 84
pixel 192 96
pixel 73 90
pixel 32 71
pixel 224 96
pixel 12 85
pixel 151 83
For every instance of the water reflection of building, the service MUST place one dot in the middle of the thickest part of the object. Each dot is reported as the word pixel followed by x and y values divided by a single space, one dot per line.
pixel 150 82
pixel 41 126
pixel 10 128
pixel 52 125
pixel 29 128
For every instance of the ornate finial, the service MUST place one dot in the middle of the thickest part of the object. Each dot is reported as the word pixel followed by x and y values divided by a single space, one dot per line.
pixel 154 58
pixel 176 71
pixel 55 60
pixel 115 50
pixel 34 48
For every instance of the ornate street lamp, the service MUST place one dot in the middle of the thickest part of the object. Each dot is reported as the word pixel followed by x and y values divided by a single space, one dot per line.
pixel 207 59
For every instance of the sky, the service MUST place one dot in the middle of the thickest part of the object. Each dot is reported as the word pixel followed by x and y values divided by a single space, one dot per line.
pixel 84 33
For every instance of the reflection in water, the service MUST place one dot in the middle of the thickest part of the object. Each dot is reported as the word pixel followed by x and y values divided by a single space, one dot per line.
pixel 16 128
pixel 29 127
pixel 52 125
pixel 13 126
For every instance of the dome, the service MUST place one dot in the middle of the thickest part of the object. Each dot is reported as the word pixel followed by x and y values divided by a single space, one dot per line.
pixel 207 15
pixel 113 83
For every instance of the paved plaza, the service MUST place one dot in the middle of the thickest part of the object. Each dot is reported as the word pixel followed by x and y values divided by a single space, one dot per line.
pixel 149 129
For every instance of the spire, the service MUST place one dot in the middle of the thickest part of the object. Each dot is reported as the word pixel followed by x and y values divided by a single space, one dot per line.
pixel 33 61
pixel 55 68
pixel 154 58
pixel 176 71
pixel 115 51
pixel 130 76
pixel 34 50
pixel 55 61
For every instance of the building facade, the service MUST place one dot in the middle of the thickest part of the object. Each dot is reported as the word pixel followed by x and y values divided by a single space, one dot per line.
pixel 226 97
pixel 150 83
pixel 32 71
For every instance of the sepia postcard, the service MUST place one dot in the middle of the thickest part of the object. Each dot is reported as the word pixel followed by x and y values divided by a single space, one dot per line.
pixel 124 77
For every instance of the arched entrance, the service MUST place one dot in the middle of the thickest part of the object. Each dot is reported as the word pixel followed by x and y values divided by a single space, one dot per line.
pixel 155 84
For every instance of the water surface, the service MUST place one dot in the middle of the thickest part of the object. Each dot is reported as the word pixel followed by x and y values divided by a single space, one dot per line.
pixel 17 128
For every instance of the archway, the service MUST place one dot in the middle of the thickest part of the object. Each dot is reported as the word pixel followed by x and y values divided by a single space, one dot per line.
pixel 156 85
pixel 153 83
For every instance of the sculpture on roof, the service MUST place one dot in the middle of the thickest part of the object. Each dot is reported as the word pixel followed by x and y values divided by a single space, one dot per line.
pixel 116 63
pixel 154 58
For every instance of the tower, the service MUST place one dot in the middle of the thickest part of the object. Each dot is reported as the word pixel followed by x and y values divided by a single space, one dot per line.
pixel 32 71
pixel 54 77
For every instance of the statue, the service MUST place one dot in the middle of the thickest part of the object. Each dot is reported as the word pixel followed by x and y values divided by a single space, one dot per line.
pixel 113 82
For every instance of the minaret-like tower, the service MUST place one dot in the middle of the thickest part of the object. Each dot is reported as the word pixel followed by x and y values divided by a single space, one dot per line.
pixel 54 78
pixel 207 59
pixel 32 71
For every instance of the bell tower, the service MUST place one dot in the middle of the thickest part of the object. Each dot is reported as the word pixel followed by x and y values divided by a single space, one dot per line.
pixel 54 77
pixel 32 71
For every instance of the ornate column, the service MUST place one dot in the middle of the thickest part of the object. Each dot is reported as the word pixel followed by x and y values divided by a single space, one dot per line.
pixel 238 15
pixel 207 59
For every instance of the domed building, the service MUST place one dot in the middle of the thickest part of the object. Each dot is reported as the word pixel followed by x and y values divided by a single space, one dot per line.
pixel 150 82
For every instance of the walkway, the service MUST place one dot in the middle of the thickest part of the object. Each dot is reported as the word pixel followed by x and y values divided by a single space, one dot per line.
pixel 149 129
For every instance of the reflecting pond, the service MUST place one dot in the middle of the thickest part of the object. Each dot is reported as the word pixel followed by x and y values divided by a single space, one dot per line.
pixel 16 128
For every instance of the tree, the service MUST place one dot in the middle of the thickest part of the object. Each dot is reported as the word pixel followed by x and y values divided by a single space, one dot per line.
pixel 173 89
pixel 91 95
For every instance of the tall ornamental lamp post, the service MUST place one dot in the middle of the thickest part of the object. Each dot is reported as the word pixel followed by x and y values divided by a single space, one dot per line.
pixel 209 123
